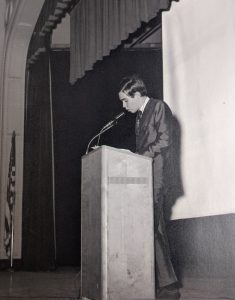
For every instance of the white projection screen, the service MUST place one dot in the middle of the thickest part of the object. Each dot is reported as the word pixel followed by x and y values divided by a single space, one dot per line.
pixel 199 86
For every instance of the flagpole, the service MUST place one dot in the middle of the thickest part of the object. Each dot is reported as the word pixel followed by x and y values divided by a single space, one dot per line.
pixel 12 239
pixel 13 206
pixel 52 158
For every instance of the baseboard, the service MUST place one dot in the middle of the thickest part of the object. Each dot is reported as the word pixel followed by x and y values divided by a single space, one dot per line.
pixel 203 247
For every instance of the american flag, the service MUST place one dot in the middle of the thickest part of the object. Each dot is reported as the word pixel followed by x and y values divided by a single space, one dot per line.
pixel 10 201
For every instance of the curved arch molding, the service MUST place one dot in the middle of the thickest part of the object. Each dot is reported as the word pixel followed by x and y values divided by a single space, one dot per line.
pixel 16 40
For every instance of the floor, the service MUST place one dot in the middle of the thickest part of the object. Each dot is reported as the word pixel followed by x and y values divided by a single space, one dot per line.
pixel 64 284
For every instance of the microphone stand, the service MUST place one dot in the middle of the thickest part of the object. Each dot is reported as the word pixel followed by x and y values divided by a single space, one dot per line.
pixel 104 129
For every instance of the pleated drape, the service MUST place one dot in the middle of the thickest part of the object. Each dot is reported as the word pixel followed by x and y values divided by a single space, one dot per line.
pixel 98 26
pixel 38 239
pixel 53 11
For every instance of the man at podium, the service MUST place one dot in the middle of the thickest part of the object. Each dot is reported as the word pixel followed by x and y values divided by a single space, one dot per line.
pixel 153 139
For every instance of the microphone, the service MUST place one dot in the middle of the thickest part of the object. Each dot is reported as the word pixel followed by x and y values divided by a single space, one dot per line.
pixel 105 128
pixel 114 121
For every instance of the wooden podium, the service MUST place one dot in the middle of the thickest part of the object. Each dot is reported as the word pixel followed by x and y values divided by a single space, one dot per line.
pixel 117 253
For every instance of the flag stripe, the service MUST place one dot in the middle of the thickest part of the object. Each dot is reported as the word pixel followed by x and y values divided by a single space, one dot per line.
pixel 10 199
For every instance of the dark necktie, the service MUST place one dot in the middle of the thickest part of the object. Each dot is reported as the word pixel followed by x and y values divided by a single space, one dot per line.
pixel 137 123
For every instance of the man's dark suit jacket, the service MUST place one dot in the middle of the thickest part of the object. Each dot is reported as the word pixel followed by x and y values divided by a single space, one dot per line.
pixel 154 140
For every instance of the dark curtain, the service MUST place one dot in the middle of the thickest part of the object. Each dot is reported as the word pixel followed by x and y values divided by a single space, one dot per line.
pixel 38 250
pixel 79 112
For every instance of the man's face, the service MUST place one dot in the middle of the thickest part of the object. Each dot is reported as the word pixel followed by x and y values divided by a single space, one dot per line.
pixel 131 104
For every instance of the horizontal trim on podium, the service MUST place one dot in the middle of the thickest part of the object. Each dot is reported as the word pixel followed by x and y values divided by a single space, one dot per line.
pixel 128 180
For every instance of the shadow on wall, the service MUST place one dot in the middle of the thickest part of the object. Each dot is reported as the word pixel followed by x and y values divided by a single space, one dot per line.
pixel 200 247
pixel 176 189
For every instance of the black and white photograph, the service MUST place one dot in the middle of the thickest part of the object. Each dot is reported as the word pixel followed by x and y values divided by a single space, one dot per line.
pixel 117 149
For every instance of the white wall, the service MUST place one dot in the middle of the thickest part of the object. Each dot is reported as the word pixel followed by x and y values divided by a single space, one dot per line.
pixel 199 85
pixel 2 27
pixel 2 38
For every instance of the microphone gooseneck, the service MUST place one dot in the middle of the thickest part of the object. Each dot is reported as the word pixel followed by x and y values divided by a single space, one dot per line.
pixel 105 128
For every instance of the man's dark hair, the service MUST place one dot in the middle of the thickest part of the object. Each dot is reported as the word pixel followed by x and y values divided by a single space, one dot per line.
pixel 132 84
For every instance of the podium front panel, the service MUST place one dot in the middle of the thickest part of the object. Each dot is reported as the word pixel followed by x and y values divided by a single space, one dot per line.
pixel 117 226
